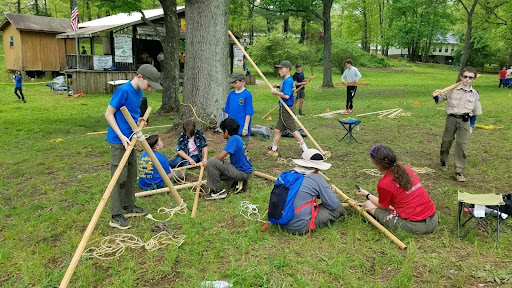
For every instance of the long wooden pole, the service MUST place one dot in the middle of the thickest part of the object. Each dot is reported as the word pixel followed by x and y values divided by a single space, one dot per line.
pixel 166 189
pixel 198 189
pixel 279 98
pixel 151 155
pixel 265 176
pixel 264 116
pixel 307 81
pixel 449 88
pixel 352 84
pixel 94 220
pixel 379 226
pixel 186 167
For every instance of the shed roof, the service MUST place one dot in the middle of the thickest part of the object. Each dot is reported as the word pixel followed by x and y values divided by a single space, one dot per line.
pixel 26 22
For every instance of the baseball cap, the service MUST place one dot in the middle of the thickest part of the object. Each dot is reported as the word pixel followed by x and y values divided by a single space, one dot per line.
pixel 312 158
pixel 152 75
pixel 237 75
pixel 284 63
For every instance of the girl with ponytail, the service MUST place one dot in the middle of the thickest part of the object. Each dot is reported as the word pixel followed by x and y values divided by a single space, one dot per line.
pixel 402 201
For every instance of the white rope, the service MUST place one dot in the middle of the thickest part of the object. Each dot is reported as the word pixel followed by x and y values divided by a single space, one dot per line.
pixel 180 209
pixel 250 211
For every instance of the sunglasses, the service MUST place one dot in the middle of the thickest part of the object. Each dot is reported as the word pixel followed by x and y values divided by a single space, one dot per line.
pixel 468 77
pixel 375 148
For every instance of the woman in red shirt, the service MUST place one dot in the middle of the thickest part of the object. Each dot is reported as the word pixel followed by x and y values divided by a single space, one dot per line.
pixel 402 202
pixel 503 75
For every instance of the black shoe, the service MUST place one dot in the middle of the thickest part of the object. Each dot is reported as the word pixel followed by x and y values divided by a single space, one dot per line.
pixel 24 101
pixel 443 166
pixel 135 211
pixel 214 195
pixel 119 222
pixel 300 112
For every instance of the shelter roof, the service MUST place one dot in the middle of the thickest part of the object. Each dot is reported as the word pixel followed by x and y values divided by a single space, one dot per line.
pixel 115 22
pixel 26 22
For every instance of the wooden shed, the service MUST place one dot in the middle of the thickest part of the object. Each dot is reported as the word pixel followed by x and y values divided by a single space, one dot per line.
pixel 30 43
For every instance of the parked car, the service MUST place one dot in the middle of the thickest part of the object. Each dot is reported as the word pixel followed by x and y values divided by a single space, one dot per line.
pixel 58 84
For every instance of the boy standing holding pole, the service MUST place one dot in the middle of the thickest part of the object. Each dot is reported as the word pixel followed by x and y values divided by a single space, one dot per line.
pixel 298 79
pixel 352 75
pixel 122 200
pixel 285 120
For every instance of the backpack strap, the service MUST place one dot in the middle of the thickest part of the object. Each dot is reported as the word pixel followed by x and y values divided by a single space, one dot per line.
pixel 264 227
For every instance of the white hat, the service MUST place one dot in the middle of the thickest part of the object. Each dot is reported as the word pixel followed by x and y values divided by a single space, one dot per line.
pixel 314 159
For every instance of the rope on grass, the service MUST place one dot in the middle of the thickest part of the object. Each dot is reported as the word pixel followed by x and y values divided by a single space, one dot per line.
pixel 113 246
pixel 180 209
pixel 250 211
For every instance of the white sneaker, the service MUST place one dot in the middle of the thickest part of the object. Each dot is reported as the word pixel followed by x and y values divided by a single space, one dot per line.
pixel 214 195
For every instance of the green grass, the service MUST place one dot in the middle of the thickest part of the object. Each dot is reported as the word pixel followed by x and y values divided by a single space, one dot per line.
pixel 53 176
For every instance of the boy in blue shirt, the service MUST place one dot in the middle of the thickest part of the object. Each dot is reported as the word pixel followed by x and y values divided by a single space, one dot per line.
pixel 239 169
pixel 122 199
pixel 149 178
pixel 298 79
pixel 285 120
pixel 17 87
pixel 239 105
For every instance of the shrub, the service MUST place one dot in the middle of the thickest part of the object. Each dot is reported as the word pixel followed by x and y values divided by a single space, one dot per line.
pixel 342 50
pixel 275 48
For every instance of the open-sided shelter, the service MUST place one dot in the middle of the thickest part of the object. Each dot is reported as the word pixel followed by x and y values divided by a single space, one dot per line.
pixel 30 43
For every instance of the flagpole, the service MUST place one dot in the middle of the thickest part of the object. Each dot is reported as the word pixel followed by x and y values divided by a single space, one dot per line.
pixel 76 46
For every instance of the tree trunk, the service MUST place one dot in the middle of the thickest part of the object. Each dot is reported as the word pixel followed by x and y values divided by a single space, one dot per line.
pixel 269 26
pixel 251 28
pixel 302 31
pixel 36 6
pixel 170 65
pixel 364 42
pixel 326 14
pixel 207 62
pixel 467 40
pixel 19 6
pixel 286 24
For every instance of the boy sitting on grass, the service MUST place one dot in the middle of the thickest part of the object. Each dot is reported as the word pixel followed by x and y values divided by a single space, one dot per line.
pixel 149 178
pixel 218 170
pixel 192 147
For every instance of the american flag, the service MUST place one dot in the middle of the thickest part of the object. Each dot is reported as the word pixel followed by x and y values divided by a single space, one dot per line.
pixel 74 17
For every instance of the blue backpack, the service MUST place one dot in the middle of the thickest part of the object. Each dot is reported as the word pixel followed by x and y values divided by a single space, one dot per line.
pixel 280 207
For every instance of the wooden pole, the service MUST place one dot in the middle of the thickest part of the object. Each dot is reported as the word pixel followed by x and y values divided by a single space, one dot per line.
pixel 325 176
pixel 379 226
pixel 449 88
pixel 196 197
pixel 187 167
pixel 279 98
pixel 352 84
pixel 151 155
pixel 269 112
pixel 94 220
pixel 307 81
pixel 265 176
pixel 166 189
pixel 146 128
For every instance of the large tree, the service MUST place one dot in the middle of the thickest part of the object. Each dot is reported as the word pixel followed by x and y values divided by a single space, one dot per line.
pixel 207 61
pixel 470 9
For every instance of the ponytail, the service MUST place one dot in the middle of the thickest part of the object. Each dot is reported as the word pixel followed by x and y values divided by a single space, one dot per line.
pixel 385 157
pixel 402 176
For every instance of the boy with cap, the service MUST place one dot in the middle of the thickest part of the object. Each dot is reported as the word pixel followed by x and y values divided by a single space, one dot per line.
pixel 239 105
pixel 313 186
pixel 122 200
pixel 285 121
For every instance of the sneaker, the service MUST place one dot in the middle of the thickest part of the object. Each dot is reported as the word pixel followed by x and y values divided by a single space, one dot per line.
pixel 24 101
pixel 345 111
pixel 119 222
pixel 213 195
pixel 272 153
pixel 459 177
pixel 444 167
pixel 241 186
pixel 135 211
pixel 300 112
pixel 350 111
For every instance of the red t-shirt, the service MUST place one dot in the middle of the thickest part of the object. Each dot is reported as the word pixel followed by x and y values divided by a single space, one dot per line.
pixel 503 74
pixel 413 205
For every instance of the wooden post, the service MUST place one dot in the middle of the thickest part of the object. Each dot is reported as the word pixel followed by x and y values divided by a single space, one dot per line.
pixel 352 84
pixel 196 197
pixel 279 98
pixel 151 155
pixel 362 211
pixel 94 220
pixel 265 176
pixel 166 189
pixel 269 112
pixel 449 88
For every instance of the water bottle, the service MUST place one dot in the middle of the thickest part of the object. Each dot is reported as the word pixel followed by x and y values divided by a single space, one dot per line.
pixel 216 284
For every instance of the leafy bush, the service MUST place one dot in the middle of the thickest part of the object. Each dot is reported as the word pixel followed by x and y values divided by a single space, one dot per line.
pixel 342 50
pixel 275 48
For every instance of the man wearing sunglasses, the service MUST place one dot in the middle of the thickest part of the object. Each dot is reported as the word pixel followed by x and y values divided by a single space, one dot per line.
pixel 462 107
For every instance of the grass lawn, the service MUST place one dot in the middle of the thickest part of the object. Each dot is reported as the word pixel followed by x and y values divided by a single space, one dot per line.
pixel 53 176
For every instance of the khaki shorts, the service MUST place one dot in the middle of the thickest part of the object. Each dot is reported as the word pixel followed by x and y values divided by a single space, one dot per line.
pixel 286 121
pixel 301 94
pixel 393 221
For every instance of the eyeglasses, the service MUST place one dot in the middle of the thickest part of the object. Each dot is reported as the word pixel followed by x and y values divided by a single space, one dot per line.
pixel 468 77
pixel 374 148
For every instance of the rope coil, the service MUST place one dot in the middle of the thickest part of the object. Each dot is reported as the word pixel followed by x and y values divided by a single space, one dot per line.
pixel 248 210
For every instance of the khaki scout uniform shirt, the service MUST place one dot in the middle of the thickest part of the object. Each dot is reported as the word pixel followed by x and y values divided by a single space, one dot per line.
pixel 460 101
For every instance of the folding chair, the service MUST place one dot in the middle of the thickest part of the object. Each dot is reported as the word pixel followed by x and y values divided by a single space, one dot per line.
pixel 349 125
pixel 467 204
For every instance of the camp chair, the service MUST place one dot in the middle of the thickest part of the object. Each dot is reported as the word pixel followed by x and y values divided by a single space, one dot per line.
pixel 467 203
pixel 349 125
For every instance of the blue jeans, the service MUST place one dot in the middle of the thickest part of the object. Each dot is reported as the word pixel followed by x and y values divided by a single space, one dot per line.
pixel 178 161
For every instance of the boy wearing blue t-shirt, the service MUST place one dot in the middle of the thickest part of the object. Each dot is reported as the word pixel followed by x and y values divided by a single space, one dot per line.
pixel 285 120
pixel 122 199
pixel 239 169
pixel 239 105
pixel 149 177
pixel 17 87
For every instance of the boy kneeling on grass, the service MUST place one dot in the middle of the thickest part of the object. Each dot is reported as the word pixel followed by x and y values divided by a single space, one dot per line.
pixel 149 178
pixel 240 168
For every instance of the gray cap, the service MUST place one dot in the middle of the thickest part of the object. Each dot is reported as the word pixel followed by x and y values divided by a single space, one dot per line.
pixel 237 75
pixel 284 63
pixel 152 75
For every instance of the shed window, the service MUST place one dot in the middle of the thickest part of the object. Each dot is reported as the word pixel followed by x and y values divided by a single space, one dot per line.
pixel 440 49
pixel 11 41
pixel 446 50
